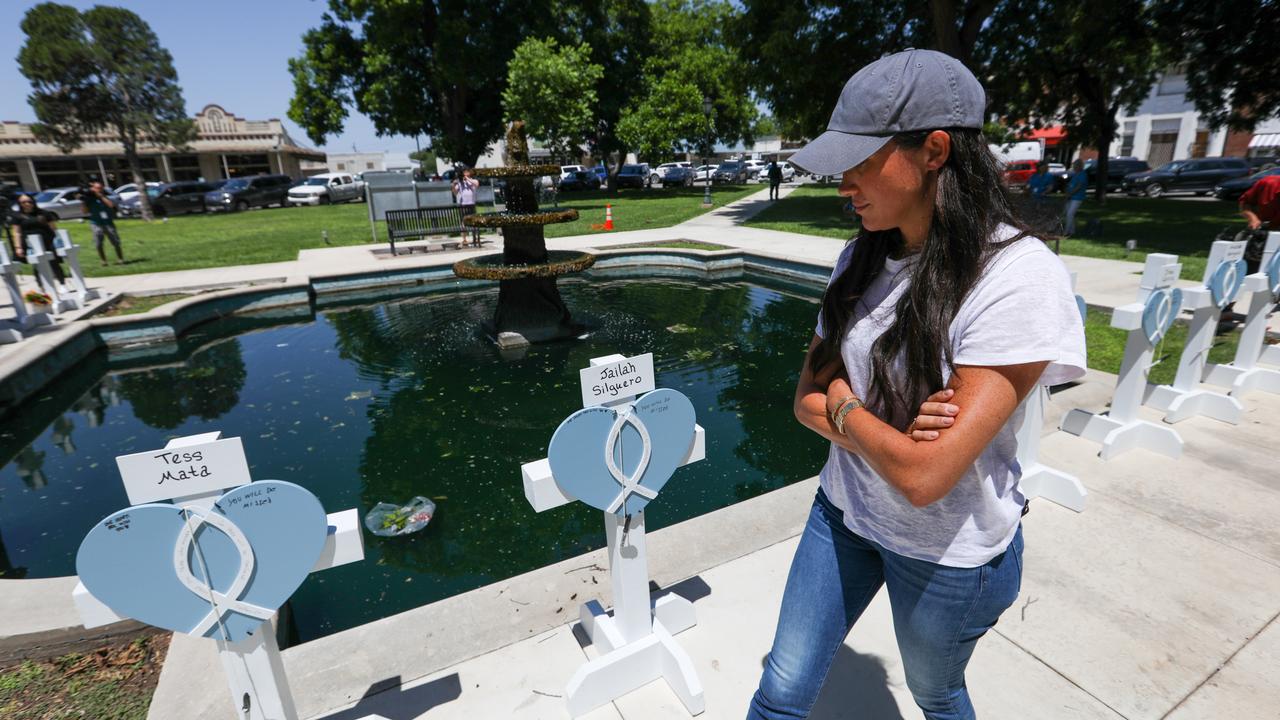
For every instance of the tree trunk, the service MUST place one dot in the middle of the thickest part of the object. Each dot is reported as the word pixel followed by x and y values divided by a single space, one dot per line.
pixel 1106 133
pixel 135 170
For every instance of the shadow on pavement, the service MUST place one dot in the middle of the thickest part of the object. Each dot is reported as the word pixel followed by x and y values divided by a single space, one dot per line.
pixel 389 699
pixel 857 685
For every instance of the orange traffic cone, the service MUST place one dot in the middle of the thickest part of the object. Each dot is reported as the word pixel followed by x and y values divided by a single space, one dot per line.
pixel 608 217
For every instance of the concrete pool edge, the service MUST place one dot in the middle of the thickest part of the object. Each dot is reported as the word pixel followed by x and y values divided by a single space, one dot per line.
pixel 41 359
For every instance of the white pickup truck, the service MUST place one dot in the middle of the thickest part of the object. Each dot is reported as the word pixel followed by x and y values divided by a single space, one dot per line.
pixel 325 189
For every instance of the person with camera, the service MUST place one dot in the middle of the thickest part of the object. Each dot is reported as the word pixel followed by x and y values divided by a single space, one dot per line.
pixel 464 194
pixel 101 210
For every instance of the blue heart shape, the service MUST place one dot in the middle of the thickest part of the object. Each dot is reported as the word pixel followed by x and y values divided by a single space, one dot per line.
pixel 1226 281
pixel 1273 273
pixel 130 560
pixel 580 465
pixel 1161 310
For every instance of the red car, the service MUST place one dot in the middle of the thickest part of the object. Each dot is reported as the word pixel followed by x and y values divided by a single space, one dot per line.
pixel 1019 171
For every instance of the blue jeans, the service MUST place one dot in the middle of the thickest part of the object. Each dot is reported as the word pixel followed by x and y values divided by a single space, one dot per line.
pixel 939 612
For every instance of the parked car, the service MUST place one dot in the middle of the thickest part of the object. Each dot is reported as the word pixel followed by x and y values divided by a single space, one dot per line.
pixel 637 175
pixel 168 199
pixel 1117 169
pixel 579 180
pixel 1198 175
pixel 601 172
pixel 1060 176
pixel 731 171
pixel 567 170
pixel 1232 189
pixel 665 168
pixel 242 193
pixel 788 172
pixel 754 167
pixel 1018 172
pixel 325 189
pixel 130 190
pixel 703 173
pixel 678 176
pixel 1261 163
pixel 62 203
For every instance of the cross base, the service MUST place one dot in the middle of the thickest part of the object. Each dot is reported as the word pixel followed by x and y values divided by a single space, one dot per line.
pixel 623 667
pixel 1117 437
pixel 1270 355
pixel 1241 380
pixel 1182 404
pixel 1039 481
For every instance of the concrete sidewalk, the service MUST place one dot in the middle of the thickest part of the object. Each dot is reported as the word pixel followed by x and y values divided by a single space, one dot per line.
pixel 1159 601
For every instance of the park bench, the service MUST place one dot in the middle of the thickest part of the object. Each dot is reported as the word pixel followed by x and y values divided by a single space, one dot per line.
pixel 424 222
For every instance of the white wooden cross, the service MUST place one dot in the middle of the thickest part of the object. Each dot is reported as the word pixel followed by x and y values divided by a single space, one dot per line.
pixel 41 258
pixel 635 644
pixel 254 669
pixel 1244 373
pixel 1120 429
pixel 70 252
pixel 1038 479
pixel 1186 398
pixel 12 331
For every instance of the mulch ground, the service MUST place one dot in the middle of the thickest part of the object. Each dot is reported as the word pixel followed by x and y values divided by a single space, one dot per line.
pixel 112 682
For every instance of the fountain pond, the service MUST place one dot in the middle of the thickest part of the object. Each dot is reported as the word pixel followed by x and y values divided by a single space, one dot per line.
pixel 368 403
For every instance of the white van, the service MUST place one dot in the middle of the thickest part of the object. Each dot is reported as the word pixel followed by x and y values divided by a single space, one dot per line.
pixel 324 189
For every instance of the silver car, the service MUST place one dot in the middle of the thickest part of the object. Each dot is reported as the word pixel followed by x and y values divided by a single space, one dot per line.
pixel 62 203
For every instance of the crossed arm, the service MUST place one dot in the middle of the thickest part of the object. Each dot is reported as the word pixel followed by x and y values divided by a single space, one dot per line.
pixel 945 443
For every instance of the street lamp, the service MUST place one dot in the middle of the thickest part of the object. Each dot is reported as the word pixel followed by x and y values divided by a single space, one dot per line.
pixel 706 110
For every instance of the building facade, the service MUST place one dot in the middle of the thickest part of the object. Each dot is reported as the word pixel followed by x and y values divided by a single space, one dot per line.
pixel 225 146
pixel 358 162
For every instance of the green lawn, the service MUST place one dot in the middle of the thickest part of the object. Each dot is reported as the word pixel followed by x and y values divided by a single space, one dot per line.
pixel 1184 228
pixel 1106 347
pixel 277 234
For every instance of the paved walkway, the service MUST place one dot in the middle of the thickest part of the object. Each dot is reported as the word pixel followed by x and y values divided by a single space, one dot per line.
pixel 1159 601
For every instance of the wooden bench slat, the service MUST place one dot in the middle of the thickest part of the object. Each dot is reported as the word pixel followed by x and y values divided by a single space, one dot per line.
pixel 421 222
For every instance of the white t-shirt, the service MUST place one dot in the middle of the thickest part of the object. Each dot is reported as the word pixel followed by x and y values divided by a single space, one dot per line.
pixel 1022 310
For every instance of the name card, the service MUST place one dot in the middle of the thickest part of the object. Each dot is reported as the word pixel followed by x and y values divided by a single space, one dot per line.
pixel 620 379
pixel 181 471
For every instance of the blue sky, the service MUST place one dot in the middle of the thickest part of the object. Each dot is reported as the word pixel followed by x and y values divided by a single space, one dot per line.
pixel 231 52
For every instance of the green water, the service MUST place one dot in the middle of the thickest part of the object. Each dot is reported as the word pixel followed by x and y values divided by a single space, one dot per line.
pixel 384 402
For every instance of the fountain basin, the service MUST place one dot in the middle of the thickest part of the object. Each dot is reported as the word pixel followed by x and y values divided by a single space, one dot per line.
pixel 516 219
pixel 491 267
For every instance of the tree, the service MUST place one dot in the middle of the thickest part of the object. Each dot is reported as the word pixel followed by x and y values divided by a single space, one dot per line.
pixel 695 55
pixel 1100 57
pixel 421 67
pixel 102 70
pixel 1229 51
pixel 619 33
pixel 799 65
pixel 553 89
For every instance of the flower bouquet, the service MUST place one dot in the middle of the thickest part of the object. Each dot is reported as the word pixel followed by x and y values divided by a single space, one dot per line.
pixel 37 302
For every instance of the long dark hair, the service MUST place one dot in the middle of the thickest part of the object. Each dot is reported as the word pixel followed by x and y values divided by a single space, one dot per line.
pixel 972 201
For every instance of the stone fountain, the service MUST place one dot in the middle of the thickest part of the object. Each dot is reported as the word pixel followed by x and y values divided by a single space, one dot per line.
pixel 530 308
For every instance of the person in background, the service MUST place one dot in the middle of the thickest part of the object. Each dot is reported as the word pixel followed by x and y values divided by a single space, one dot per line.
pixel 101 210
pixel 29 222
pixel 1260 206
pixel 1077 189
pixel 464 194
pixel 775 179
pixel 1040 183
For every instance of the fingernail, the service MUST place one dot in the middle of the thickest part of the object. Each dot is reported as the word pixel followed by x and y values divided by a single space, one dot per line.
pixel 949 392
pixel 933 435
pixel 948 421
pixel 952 409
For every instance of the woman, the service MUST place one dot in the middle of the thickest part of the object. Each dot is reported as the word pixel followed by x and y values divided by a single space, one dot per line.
pixel 942 290
pixel 464 193
pixel 1077 188
pixel 30 221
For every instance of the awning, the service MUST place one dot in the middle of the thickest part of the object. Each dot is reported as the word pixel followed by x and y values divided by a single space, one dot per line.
pixel 1052 135
pixel 1265 140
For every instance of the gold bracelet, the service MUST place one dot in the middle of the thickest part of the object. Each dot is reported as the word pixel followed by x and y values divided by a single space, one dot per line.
pixel 849 406
pixel 831 414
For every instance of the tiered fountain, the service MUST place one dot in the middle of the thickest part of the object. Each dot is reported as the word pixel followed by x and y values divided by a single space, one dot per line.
pixel 529 305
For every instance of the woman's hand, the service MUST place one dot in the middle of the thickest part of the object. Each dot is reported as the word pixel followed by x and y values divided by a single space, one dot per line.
pixel 936 414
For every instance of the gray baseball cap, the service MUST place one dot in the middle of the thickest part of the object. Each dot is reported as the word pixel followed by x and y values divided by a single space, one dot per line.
pixel 910 90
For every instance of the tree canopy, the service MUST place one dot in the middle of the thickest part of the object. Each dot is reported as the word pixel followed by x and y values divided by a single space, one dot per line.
pixel 553 89
pixel 419 67
pixel 101 70
pixel 695 55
